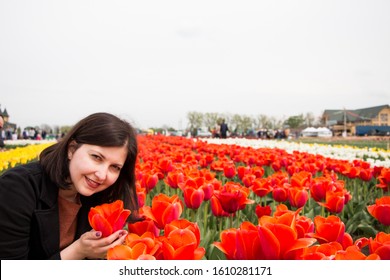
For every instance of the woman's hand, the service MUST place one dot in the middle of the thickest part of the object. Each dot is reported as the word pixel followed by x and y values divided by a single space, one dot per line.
pixel 91 245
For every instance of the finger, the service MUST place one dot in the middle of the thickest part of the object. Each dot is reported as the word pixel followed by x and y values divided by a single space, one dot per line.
pixel 95 234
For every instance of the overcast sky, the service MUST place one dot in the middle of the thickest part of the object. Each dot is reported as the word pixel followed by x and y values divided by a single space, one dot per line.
pixel 152 62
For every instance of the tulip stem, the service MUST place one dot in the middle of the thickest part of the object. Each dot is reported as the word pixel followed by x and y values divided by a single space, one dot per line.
pixel 205 215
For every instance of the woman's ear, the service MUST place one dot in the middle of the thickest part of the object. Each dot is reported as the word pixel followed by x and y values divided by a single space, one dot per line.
pixel 71 149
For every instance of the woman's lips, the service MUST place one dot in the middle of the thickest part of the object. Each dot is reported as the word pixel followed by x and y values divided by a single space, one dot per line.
pixel 92 183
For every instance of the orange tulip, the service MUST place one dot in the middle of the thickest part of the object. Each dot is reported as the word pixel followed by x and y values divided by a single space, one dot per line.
pixel 240 244
pixel 301 179
pixel 165 165
pixel 174 178
pixel 353 253
pixel 335 202
pixel 183 224
pixel 325 251
pixel 124 252
pixel 181 244
pixel 380 245
pixel 151 244
pixel 381 210
pixel 328 229
pixel 248 180
pixel 108 218
pixel 261 187
pixel 164 209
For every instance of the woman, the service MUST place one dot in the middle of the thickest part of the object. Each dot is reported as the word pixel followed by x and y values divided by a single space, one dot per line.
pixel 44 205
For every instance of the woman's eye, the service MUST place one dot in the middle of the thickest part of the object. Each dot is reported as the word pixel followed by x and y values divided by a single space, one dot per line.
pixel 116 168
pixel 96 157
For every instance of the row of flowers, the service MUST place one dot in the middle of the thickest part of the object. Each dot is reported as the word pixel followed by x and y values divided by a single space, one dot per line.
pixel 201 200
pixel 374 156
pixel 20 155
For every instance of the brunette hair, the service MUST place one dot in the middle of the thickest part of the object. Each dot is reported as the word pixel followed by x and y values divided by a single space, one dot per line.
pixel 99 129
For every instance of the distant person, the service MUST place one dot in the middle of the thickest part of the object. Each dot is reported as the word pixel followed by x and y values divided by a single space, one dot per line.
pixel 2 145
pixel 44 205
pixel 224 129
pixel 216 131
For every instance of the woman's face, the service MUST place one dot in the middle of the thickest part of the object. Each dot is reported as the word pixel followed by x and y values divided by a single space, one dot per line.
pixel 95 168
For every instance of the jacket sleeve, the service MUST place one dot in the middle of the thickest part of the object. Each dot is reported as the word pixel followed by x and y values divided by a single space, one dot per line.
pixel 17 203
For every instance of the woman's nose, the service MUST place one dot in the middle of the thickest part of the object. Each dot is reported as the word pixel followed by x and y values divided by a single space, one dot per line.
pixel 101 173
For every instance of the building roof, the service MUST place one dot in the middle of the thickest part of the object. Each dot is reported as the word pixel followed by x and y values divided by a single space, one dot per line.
pixel 3 113
pixel 372 112
pixel 354 115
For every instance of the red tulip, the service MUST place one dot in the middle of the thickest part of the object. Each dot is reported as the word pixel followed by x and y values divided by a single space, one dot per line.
pixel 193 197
pixel 108 218
pixel 280 193
pixel 216 208
pixel 233 197
pixel 149 181
pixel 262 211
pixel 381 210
pixel 141 227
pixel 384 179
pixel 229 170
pixel 319 187
pixel 242 171
pixel 297 196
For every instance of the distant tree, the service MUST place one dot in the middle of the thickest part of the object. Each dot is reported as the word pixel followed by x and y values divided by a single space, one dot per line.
pixel 210 120
pixel 246 123
pixel 46 127
pixel 235 124
pixel 261 121
pixel 295 121
pixel 309 119
pixel 195 120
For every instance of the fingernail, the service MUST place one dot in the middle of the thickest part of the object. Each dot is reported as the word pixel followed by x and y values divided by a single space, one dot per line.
pixel 98 234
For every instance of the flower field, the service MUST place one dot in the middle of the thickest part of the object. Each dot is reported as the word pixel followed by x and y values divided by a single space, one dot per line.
pixel 241 199
pixel 220 199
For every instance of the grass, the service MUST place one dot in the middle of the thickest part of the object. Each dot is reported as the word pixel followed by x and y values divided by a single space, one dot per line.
pixel 382 143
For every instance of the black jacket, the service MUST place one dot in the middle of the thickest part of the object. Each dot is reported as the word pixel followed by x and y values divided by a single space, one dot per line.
pixel 29 222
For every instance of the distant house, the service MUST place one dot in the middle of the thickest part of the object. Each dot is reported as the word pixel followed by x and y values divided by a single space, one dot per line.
pixel 9 128
pixel 359 121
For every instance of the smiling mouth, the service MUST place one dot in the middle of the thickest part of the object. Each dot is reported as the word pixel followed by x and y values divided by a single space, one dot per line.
pixel 92 183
